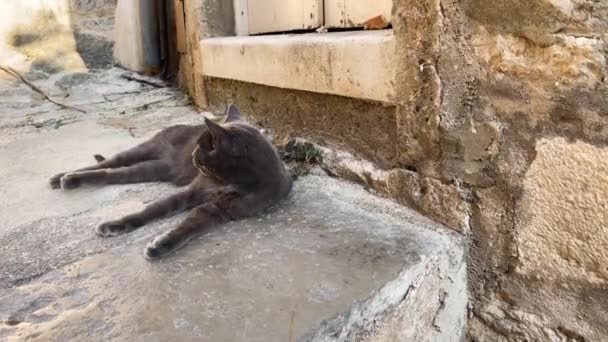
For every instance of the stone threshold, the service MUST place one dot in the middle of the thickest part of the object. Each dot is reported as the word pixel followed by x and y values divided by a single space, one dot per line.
pixel 358 64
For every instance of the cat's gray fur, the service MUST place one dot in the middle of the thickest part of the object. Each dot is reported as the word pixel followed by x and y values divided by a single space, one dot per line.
pixel 231 172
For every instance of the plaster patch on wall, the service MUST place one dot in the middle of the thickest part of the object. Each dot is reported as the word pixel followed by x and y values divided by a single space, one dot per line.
pixel 563 228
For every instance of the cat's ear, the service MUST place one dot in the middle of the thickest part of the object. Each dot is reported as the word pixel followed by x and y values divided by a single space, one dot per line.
pixel 232 114
pixel 216 130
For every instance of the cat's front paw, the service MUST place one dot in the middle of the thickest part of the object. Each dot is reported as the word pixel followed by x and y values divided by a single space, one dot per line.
pixel 161 246
pixel 69 181
pixel 55 181
pixel 112 228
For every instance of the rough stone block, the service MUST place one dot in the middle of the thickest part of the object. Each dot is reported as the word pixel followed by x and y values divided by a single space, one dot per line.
pixel 562 231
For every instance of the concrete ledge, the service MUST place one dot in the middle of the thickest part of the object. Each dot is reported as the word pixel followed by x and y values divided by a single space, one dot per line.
pixel 359 64
pixel 332 262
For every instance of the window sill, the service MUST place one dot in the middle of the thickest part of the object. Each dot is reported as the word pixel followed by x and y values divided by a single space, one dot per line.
pixel 359 64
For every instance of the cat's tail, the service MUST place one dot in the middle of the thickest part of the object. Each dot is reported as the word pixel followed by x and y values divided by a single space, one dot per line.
pixel 99 158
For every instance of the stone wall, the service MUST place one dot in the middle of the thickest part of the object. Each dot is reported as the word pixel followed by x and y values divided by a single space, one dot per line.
pixel 512 103
pixel 500 132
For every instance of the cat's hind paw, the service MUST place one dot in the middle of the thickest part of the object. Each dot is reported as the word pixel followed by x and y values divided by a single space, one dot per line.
pixel 112 228
pixel 162 246
pixel 55 181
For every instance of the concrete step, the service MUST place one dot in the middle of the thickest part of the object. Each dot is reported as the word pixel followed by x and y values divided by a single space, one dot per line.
pixel 330 263
pixel 330 249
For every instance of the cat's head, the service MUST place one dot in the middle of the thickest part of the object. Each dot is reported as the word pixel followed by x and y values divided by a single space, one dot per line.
pixel 234 151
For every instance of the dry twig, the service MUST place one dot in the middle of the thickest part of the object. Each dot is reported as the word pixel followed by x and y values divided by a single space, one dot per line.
pixel 35 88
pixel 144 81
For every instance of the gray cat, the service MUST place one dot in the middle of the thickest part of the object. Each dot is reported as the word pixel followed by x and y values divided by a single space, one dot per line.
pixel 231 170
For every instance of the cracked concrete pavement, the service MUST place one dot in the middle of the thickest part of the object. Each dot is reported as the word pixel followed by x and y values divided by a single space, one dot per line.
pixel 329 263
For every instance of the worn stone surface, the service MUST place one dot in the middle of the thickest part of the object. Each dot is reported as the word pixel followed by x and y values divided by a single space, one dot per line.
pixel 425 304
pixel 441 320
pixel 330 248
